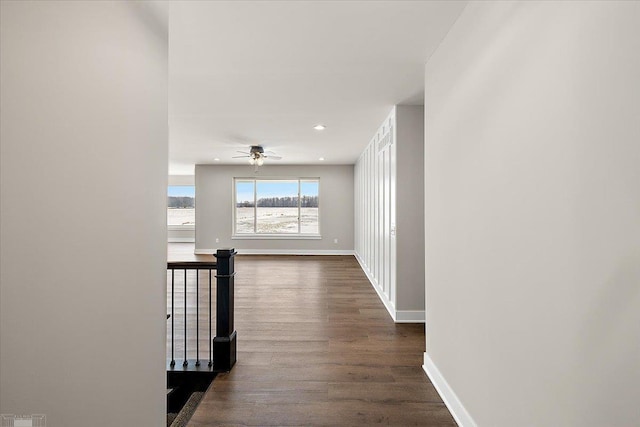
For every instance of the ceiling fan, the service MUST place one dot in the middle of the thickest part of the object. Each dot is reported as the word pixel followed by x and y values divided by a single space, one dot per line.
pixel 256 155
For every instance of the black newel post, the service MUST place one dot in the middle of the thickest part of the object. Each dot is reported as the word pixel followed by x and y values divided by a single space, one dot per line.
pixel 224 343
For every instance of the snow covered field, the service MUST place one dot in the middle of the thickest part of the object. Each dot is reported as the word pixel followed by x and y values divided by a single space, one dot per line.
pixel 270 220
pixel 277 220
pixel 181 216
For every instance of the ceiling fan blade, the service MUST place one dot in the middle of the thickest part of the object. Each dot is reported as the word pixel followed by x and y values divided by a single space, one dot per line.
pixel 273 157
pixel 270 152
pixel 242 152
pixel 239 157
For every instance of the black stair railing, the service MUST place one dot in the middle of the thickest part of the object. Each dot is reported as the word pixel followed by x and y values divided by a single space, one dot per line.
pixel 222 347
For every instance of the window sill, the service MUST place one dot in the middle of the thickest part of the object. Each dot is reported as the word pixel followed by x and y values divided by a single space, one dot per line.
pixel 181 227
pixel 276 237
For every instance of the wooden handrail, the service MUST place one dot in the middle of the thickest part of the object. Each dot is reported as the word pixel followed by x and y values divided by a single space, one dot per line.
pixel 192 265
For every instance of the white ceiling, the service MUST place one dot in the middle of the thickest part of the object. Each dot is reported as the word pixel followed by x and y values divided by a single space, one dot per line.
pixel 258 72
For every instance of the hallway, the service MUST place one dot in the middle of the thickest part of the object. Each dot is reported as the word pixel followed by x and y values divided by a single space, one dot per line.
pixel 317 347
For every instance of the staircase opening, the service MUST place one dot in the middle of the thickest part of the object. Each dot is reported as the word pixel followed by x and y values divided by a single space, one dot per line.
pixel 200 296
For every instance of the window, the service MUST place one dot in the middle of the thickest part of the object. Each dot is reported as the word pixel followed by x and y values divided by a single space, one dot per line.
pixel 276 207
pixel 181 207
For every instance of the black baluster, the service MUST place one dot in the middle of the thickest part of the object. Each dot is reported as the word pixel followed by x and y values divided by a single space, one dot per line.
pixel 197 317
pixel 210 341
pixel 173 360
pixel 185 363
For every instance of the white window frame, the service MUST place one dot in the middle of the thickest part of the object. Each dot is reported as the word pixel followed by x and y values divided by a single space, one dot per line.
pixel 272 236
pixel 181 227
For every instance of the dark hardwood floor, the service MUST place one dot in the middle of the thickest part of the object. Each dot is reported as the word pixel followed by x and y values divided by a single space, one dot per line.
pixel 317 347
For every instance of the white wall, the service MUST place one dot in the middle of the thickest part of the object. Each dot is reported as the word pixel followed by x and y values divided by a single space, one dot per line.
pixel 389 213
pixel 214 208
pixel 83 190
pixel 533 213
pixel 410 208
pixel 182 180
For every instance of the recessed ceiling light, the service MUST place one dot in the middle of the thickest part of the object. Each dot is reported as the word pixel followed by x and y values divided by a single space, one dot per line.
pixel 216 159
pixel 319 127
pixel 321 159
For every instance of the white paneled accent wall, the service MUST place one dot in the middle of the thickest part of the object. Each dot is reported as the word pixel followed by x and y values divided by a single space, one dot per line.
pixel 388 184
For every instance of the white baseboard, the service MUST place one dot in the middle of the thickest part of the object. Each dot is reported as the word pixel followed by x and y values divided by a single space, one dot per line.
pixel 410 316
pixel 182 240
pixel 449 397
pixel 280 252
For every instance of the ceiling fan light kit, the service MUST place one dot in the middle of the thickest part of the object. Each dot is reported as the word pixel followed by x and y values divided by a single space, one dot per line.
pixel 256 156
